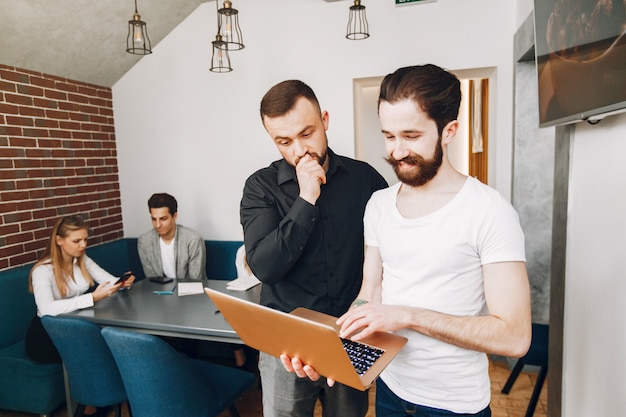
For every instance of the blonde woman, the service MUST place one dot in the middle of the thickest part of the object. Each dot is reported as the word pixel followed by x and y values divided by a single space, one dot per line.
pixel 64 279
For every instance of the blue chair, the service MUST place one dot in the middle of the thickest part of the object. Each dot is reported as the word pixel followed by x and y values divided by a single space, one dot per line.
pixel 537 355
pixel 161 381
pixel 91 370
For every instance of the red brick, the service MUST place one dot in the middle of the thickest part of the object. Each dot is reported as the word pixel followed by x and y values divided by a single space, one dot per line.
pixel 10 131
pixel 49 143
pixel 43 214
pixel 54 182
pixel 69 106
pixel 59 96
pixel 79 134
pixel 55 114
pixel 27 184
pixel 90 109
pixel 72 144
pixel 69 125
pixel 14 76
pixel 98 102
pixel 79 116
pixel 31 225
pixel 66 87
pixel 14 152
pixel 39 173
pixel 64 134
pixel 19 238
pixel 42 82
pixel 29 205
pixel 23 259
pixel 54 202
pixel 32 111
pixel 15 195
pixel 107 93
pixel 30 90
pixel 17 99
pixel 35 133
pixel 7 86
pixel 106 111
pixel 38 153
pixel 7 185
pixel 8 207
pixel 27 163
pixel 48 104
pixel 19 121
pixel 53 124
pixel 9 109
pixel 9 229
pixel 77 98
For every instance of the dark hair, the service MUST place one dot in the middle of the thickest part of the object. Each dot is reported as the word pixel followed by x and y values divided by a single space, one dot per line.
pixel 159 200
pixel 283 96
pixel 434 89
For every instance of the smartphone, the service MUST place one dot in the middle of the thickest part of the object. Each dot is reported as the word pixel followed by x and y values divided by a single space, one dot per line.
pixel 124 277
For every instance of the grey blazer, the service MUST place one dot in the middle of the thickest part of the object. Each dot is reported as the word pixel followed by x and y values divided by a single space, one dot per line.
pixel 189 250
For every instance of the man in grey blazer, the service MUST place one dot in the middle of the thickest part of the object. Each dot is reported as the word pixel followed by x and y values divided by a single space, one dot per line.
pixel 170 249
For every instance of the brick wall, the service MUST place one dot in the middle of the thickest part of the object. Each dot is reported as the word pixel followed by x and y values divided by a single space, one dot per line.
pixel 57 157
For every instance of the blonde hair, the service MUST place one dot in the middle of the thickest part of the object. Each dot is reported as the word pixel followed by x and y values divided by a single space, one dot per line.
pixel 52 254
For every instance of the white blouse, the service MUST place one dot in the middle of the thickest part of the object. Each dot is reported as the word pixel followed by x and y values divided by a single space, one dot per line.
pixel 48 298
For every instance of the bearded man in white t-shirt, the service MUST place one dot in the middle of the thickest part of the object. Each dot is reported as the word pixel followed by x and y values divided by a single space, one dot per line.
pixel 169 249
pixel 444 262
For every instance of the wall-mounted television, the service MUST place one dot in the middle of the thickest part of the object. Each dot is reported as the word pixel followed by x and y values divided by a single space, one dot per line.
pixel 580 50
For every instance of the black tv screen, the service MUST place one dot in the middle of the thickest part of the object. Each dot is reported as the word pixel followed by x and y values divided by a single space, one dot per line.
pixel 580 50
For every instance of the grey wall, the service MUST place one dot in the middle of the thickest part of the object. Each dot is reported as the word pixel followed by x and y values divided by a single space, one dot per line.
pixel 533 173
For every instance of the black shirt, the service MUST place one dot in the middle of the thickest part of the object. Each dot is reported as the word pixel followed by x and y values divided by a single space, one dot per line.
pixel 308 255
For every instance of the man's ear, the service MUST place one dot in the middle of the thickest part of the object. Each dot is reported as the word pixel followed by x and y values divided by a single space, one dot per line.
pixel 449 132
pixel 325 119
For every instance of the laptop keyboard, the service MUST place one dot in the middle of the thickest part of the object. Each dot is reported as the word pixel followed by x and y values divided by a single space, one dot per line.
pixel 362 356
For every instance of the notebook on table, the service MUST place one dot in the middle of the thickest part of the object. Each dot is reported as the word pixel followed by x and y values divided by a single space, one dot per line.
pixel 311 336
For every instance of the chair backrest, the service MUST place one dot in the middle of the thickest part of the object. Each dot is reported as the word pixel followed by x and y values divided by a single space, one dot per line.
pixel 91 370
pixel 538 352
pixel 158 379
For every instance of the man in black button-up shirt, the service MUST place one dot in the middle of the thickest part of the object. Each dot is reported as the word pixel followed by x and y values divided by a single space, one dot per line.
pixel 303 230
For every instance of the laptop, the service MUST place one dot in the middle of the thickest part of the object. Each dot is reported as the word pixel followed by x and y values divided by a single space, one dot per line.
pixel 311 336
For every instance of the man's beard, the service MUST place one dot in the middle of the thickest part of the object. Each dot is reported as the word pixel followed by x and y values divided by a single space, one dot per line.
pixel 422 170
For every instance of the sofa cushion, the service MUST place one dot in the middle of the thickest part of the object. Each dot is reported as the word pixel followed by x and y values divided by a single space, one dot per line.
pixel 17 306
pixel 220 258
pixel 117 257
pixel 27 385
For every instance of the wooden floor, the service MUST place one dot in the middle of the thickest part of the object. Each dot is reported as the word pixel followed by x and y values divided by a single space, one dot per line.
pixel 512 405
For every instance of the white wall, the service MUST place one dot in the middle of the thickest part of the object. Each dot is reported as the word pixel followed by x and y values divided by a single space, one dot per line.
pixel 594 364
pixel 594 368
pixel 184 130
pixel 197 135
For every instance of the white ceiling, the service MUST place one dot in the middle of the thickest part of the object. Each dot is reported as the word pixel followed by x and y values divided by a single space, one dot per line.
pixel 82 40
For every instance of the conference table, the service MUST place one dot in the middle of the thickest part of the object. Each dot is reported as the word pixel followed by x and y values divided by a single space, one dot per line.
pixel 158 309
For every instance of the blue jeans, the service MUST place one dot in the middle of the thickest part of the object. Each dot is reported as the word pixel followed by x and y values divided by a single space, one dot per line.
pixel 389 404
pixel 287 395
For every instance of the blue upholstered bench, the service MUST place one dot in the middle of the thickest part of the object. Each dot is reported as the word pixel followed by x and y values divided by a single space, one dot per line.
pixel 36 388
pixel 25 385
pixel 121 255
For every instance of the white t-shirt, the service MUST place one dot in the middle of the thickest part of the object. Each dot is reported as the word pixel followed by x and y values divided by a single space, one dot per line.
pixel 435 262
pixel 168 258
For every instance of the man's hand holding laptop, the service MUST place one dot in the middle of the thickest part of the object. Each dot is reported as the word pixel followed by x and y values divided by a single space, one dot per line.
pixel 356 324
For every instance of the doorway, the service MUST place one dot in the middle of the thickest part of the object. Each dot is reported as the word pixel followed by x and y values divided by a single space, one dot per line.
pixel 468 153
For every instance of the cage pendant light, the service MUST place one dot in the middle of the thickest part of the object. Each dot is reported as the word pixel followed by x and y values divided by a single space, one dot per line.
pixel 357 22
pixel 220 61
pixel 137 42
pixel 228 24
